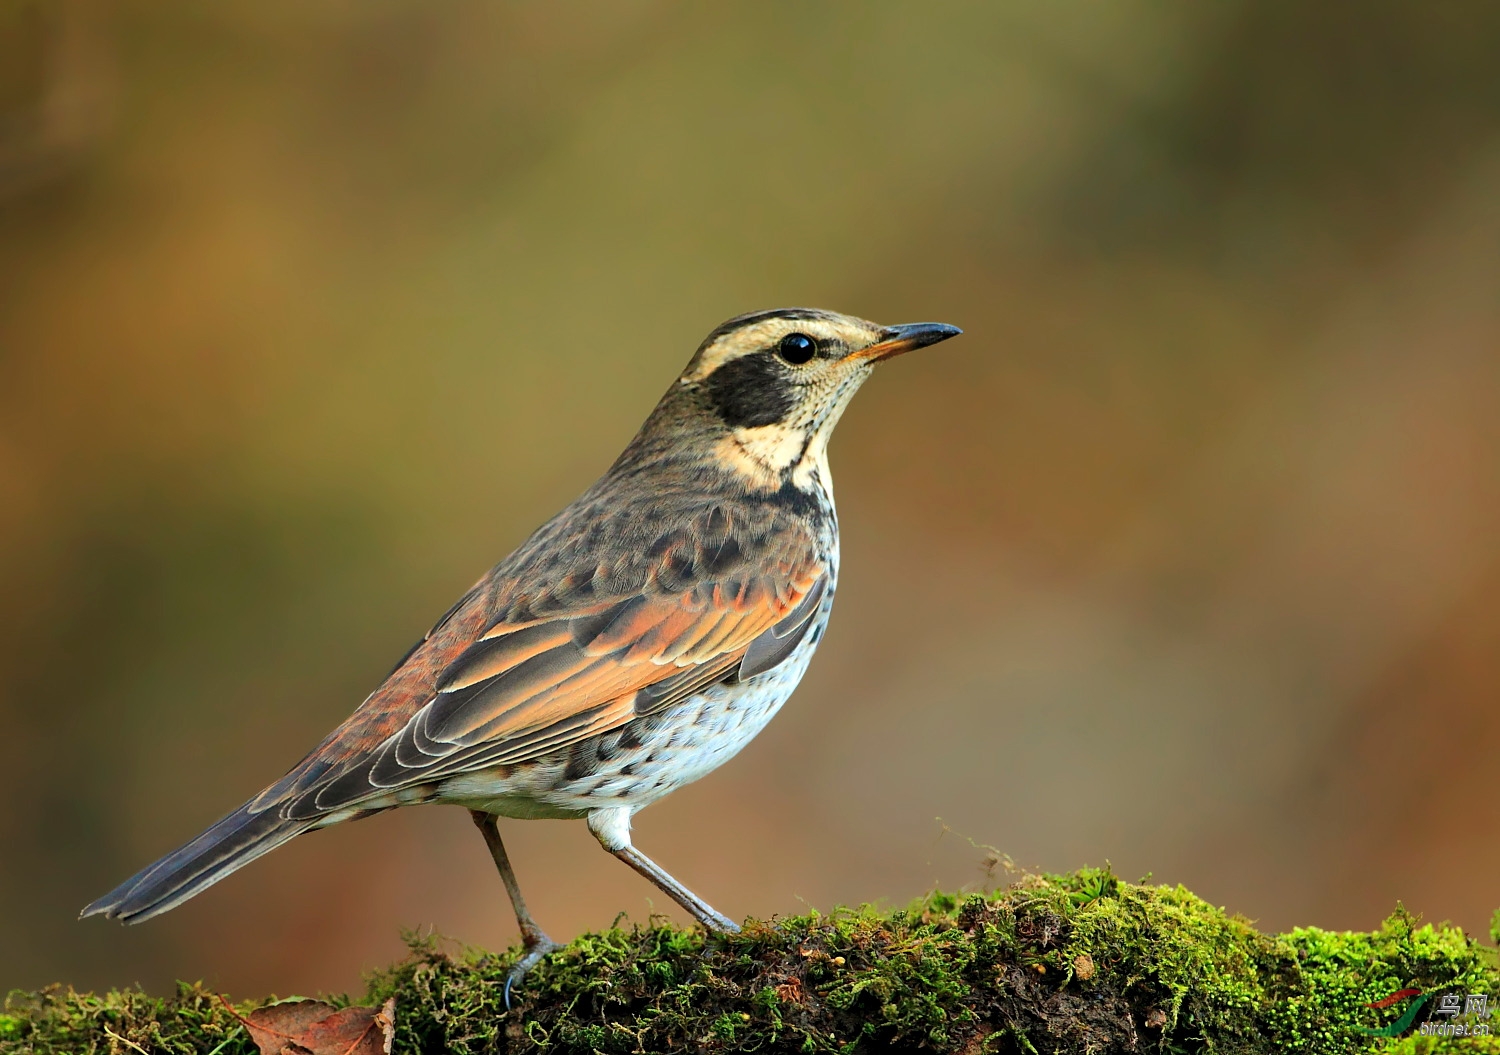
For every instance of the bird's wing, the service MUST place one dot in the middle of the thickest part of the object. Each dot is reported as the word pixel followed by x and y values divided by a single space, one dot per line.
pixel 572 657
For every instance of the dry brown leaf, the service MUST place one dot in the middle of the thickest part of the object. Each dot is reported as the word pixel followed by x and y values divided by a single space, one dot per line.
pixel 311 1027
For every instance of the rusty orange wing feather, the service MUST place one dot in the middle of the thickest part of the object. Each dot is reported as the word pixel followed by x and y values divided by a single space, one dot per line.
pixel 508 690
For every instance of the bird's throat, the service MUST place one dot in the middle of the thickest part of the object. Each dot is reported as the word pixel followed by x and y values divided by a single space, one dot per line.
pixel 767 457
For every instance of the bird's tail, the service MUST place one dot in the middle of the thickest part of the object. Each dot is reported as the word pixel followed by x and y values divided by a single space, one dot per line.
pixel 229 845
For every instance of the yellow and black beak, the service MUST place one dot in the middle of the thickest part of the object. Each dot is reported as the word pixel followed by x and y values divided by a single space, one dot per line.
pixel 898 340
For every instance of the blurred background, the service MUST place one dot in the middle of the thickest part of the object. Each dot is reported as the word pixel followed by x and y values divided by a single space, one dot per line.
pixel 1185 557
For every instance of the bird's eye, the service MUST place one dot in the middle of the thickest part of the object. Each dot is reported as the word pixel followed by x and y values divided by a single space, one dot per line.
pixel 797 348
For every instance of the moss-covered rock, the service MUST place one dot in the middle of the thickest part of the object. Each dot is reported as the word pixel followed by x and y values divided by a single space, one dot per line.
pixel 1075 963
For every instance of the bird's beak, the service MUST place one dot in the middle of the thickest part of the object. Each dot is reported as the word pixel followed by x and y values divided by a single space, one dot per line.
pixel 898 340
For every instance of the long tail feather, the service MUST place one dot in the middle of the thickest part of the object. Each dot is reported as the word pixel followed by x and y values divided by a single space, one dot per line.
pixel 228 846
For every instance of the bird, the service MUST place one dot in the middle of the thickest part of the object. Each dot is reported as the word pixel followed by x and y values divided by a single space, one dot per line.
pixel 632 644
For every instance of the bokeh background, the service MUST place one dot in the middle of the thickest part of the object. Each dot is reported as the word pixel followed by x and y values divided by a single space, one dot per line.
pixel 1185 557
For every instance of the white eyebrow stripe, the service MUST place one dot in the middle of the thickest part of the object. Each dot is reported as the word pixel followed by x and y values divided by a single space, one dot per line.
pixel 757 336
pixel 732 345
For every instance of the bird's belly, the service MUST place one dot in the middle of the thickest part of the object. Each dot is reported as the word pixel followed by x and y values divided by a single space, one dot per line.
pixel 640 762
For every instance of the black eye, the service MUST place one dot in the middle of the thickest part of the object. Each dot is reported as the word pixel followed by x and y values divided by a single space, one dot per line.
pixel 797 348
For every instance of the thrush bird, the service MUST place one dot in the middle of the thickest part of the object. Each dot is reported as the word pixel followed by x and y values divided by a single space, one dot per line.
pixel 635 642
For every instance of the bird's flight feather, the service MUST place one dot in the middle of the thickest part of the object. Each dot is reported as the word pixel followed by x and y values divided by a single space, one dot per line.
pixel 534 661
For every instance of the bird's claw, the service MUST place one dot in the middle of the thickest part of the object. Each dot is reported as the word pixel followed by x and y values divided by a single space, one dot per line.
pixel 719 924
pixel 536 948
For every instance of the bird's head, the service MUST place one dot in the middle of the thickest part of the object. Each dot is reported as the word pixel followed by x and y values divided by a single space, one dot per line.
pixel 769 387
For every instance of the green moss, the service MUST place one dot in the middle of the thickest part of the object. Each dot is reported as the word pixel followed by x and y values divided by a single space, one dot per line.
pixel 55 1021
pixel 1343 972
pixel 1419 1045
pixel 1074 963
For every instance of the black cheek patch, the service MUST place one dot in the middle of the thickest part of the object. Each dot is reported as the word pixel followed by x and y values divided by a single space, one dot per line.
pixel 751 391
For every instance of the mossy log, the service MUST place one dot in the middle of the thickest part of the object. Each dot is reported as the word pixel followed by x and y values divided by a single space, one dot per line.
pixel 1073 963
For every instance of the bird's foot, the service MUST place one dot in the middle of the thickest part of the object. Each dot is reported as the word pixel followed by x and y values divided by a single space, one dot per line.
pixel 536 946
pixel 717 922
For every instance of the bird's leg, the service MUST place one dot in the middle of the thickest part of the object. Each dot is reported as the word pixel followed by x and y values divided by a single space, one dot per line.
pixel 612 828
pixel 533 938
